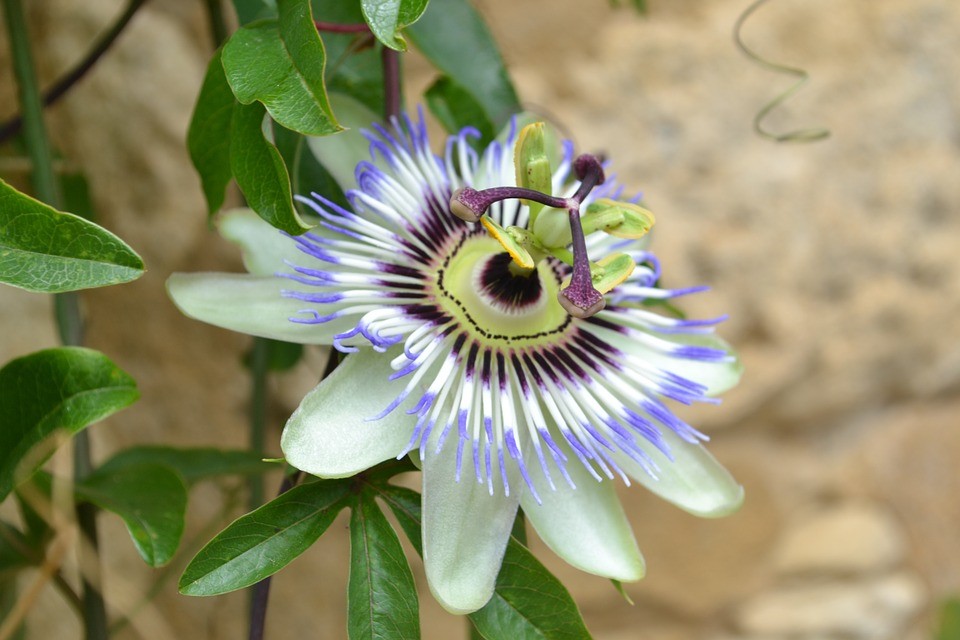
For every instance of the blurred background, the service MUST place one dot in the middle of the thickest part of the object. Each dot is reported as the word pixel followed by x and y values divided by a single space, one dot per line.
pixel 837 262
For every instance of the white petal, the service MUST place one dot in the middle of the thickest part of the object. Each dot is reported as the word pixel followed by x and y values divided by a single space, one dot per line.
pixel 716 376
pixel 329 434
pixel 340 153
pixel 252 305
pixel 465 531
pixel 694 480
pixel 264 248
pixel 585 526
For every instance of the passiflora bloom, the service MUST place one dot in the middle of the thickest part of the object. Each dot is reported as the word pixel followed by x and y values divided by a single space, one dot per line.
pixel 502 319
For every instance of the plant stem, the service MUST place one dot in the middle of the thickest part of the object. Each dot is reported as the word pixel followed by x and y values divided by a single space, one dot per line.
pixel 259 356
pixel 218 27
pixel 12 126
pixel 260 592
pixel 390 60
pixel 47 189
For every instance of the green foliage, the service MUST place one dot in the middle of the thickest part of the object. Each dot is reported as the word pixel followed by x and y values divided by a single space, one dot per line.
pixel 306 175
pixel 150 498
pixel 49 393
pixel 353 67
pixel 456 108
pixel 15 550
pixel 528 602
pixel 42 249
pixel 264 541
pixel 387 18
pixel 454 37
pixel 382 597
pixel 208 138
pixel 250 10
pixel 949 627
pixel 193 465
pixel 280 64
pixel 260 172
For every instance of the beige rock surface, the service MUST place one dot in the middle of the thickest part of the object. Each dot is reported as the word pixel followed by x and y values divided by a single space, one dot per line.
pixel 837 262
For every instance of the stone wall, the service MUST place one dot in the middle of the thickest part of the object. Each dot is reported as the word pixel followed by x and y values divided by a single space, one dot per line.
pixel 837 262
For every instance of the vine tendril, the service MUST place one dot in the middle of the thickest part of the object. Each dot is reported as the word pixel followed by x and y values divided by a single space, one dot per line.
pixel 797 135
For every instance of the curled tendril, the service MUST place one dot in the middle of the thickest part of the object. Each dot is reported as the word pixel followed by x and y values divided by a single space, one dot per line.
pixel 798 135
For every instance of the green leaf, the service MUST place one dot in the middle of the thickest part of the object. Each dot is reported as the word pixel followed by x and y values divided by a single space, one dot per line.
pixel 280 64
pixel 193 464
pixel 306 173
pixel 42 249
pixel 15 550
pixel 260 172
pixel 75 190
pixel 33 497
pixel 353 62
pixel 381 596
pixel 264 541
pixel 529 603
pixel 949 627
pixel 56 390
pixel 454 37
pixel 151 499
pixel 250 10
pixel 208 138
pixel 387 18
pixel 8 598
pixel 456 108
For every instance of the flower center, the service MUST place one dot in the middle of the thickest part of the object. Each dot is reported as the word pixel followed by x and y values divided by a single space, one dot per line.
pixel 477 285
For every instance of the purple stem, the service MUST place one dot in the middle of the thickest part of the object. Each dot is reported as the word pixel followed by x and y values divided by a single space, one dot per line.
pixel 335 27
pixel 390 60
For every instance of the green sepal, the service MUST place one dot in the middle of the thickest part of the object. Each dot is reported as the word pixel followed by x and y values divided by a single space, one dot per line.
pixel 529 603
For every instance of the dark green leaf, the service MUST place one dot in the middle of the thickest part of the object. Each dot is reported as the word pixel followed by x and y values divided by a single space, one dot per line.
pixel 260 172
pixel 280 64
pixel 15 550
pixel 529 603
pixel 456 108
pixel 150 498
pixel 76 195
pixel 193 464
pixel 353 60
pixel 8 598
pixel 208 138
pixel 382 597
pixel 33 497
pixel 949 628
pixel 264 541
pixel 307 175
pixel 387 18
pixel 250 10
pixel 42 249
pixel 57 390
pixel 453 36
pixel 405 505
